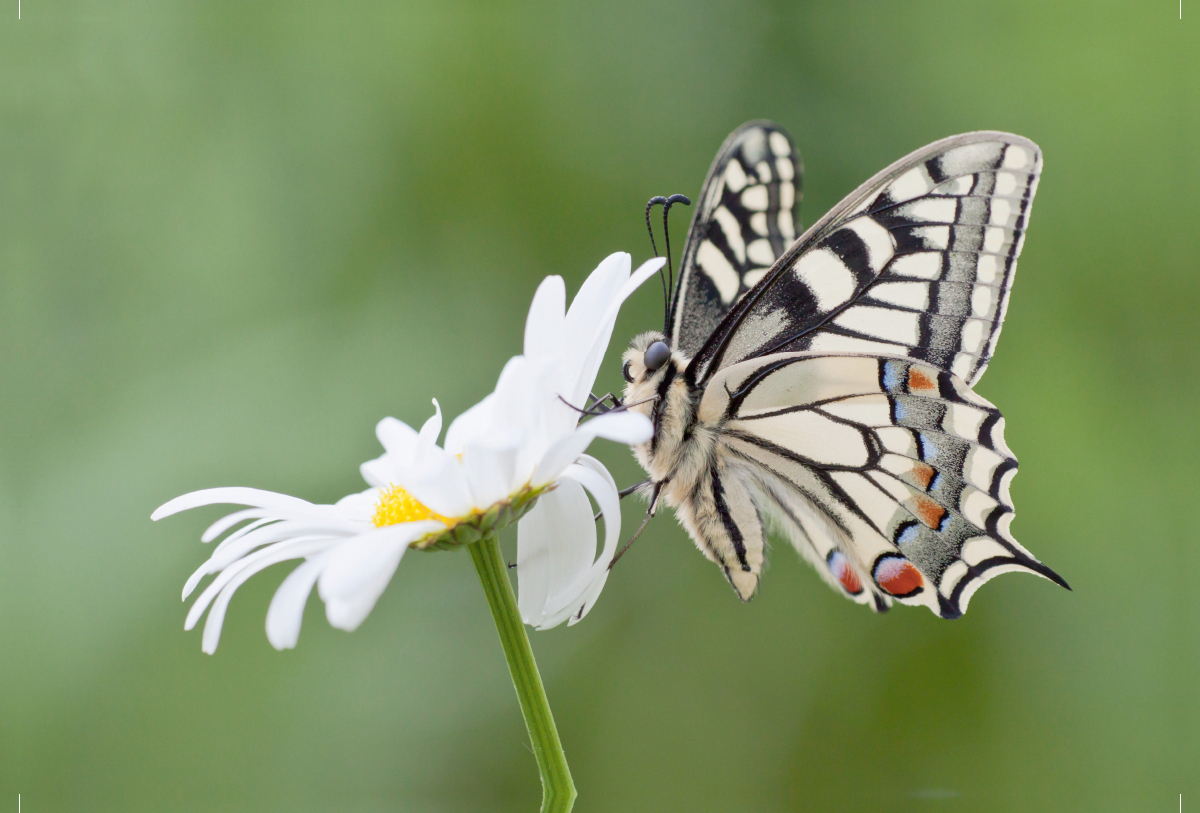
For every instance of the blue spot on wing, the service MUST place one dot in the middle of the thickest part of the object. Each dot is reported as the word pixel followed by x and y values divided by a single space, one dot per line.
pixel 929 449
pixel 893 375
pixel 907 535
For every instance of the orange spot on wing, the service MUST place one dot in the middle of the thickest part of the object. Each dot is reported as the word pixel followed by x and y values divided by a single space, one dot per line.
pixel 920 382
pixel 928 511
pixel 844 573
pixel 850 581
pixel 922 474
pixel 898 576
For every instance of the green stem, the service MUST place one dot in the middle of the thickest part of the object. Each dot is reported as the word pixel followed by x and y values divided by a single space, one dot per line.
pixel 558 791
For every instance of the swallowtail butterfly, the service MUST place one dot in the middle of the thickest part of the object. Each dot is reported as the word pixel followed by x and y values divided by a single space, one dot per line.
pixel 821 384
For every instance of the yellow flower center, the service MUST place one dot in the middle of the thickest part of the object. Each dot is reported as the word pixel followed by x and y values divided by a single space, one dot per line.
pixel 396 505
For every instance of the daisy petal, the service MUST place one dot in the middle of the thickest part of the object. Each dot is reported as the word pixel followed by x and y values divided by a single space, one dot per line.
pixel 252 497
pixel 544 325
pixel 624 427
pixel 556 543
pixel 355 563
pixel 224 586
pixel 286 612
pixel 597 343
pixel 574 600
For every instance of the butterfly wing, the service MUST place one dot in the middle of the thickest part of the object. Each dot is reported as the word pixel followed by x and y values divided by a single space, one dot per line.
pixel 748 215
pixel 917 262
pixel 889 475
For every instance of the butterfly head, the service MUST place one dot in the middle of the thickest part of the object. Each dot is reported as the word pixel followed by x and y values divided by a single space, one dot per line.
pixel 647 365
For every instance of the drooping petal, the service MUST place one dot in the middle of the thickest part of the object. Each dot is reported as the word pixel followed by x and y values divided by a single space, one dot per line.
pixel 228 521
pixel 556 543
pixel 286 612
pixel 575 599
pixel 216 615
pixel 347 613
pixel 623 427
pixel 268 534
pixel 356 564
pixel 248 566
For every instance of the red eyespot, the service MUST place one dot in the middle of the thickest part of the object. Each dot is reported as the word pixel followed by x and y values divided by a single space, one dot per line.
pixel 844 573
pixel 898 576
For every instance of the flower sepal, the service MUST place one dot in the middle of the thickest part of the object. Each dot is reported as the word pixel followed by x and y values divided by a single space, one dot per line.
pixel 476 527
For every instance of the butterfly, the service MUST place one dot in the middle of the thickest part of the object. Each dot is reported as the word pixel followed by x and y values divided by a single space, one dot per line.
pixel 821 386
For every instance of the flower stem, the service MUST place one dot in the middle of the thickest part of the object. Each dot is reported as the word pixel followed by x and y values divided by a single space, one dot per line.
pixel 558 790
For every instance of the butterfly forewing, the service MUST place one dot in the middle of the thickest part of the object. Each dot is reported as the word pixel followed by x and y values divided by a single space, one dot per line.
pixel 917 262
pixel 748 214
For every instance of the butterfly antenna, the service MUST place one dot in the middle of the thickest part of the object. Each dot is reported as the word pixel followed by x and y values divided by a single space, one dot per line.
pixel 667 236
pixel 666 295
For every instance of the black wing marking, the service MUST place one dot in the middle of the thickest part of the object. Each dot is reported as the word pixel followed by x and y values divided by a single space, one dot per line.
pixel 890 475
pixel 748 215
pixel 725 519
pixel 917 262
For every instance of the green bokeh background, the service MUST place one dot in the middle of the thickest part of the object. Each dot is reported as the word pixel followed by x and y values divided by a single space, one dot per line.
pixel 235 235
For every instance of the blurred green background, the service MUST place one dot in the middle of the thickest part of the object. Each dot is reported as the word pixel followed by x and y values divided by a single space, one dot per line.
pixel 235 235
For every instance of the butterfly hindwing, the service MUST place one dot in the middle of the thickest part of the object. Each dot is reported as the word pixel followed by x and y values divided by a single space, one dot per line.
pixel 747 215
pixel 724 513
pixel 891 476
pixel 918 263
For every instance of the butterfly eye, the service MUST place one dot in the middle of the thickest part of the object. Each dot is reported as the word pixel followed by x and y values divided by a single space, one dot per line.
pixel 656 356
pixel 625 373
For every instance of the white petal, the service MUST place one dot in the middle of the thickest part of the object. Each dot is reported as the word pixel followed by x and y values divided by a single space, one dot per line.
pixel 356 563
pixel 286 612
pixel 277 532
pixel 476 422
pixel 587 314
pixel 432 427
pixel 397 437
pixel 379 473
pixel 544 325
pixel 252 497
pixel 588 599
pixel 223 587
pixel 442 488
pixel 556 543
pixel 624 427
pixel 587 461
pixel 591 303
pixel 348 613
pixel 216 616
pixel 228 521
pixel 596 344
pixel 491 470
pixel 577 598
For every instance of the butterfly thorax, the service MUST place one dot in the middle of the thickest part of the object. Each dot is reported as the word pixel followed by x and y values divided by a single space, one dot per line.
pixel 680 451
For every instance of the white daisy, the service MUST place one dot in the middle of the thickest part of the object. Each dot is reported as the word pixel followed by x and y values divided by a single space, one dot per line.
pixel 520 448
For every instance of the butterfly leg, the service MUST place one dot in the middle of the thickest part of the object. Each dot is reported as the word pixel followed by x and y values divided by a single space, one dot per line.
pixel 649 515
pixel 625 492
pixel 595 406
pixel 602 405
